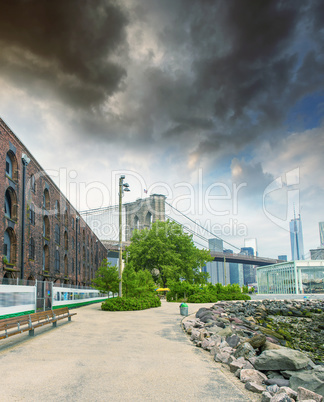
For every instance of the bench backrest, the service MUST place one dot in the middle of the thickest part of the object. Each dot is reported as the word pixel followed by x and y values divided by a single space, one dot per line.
pixel 41 316
pixel 61 311
pixel 12 322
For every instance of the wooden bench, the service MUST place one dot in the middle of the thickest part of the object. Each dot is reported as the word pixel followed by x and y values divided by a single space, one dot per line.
pixel 28 322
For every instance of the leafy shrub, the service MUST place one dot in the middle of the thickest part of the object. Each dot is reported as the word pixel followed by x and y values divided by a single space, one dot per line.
pixel 202 297
pixel 130 303
pixel 204 293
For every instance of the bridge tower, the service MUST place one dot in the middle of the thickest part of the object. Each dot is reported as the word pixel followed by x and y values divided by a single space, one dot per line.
pixel 143 212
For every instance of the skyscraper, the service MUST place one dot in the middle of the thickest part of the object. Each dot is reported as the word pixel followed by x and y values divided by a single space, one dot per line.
pixel 321 232
pixel 249 271
pixel 251 243
pixel 215 245
pixel 296 239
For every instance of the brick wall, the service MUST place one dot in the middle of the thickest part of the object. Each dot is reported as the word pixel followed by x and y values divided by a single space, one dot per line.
pixel 47 256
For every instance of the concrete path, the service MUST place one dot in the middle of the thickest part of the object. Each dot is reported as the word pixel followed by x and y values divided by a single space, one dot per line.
pixel 114 356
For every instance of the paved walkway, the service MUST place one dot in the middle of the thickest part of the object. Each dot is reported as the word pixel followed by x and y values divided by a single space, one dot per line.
pixel 114 356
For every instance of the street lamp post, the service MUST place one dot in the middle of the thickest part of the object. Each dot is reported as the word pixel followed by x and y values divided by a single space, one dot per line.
pixel 25 160
pixel 122 187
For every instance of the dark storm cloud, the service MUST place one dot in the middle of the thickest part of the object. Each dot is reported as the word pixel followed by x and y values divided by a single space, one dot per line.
pixel 216 76
pixel 230 72
pixel 63 46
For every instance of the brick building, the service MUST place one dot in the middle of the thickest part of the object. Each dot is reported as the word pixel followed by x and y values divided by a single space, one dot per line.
pixel 42 236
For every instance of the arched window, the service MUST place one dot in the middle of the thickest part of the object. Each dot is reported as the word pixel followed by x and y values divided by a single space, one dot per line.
pixel 83 236
pixel 57 234
pixel 46 227
pixel 11 204
pixel 46 199
pixel 66 218
pixel 57 261
pixel 73 223
pixel 7 245
pixel 66 266
pixel 57 209
pixel 7 205
pixel 148 219
pixel 83 253
pixel 11 166
pixel 72 265
pixel 10 246
pixel 32 214
pixel 136 222
pixel 32 183
pixel 46 258
pixel 31 249
pixel 66 241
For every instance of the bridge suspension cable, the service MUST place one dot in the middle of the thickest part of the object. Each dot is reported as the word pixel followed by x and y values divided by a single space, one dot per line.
pixel 190 231
pixel 197 224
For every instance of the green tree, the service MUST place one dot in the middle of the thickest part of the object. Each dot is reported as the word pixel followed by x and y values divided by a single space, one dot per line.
pixel 107 279
pixel 167 253
pixel 137 284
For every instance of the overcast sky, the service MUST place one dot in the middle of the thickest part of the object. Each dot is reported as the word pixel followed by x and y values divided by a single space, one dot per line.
pixel 198 100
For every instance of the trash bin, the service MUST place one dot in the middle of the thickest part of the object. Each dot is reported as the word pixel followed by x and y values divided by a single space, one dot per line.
pixel 184 309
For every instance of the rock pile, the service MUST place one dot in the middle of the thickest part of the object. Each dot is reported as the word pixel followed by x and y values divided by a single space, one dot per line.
pixel 234 334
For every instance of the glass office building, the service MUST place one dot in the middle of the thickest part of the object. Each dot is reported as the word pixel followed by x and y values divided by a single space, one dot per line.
pixel 294 277
pixel 296 239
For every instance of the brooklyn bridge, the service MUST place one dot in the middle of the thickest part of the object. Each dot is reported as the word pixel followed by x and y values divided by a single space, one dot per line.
pixel 142 213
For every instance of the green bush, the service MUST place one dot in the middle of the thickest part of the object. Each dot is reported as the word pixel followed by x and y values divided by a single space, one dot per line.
pixel 131 303
pixel 204 293
pixel 202 297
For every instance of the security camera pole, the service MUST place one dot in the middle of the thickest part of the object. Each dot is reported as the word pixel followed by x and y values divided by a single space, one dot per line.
pixel 122 187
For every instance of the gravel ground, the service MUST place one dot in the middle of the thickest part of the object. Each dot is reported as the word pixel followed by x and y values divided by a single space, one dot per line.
pixel 115 356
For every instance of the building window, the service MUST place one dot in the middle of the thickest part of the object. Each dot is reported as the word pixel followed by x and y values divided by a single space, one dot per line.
pixel 46 199
pixel 11 204
pixel 66 241
pixel 66 218
pixel 83 253
pixel 11 166
pixel 8 166
pixel 46 227
pixel 73 223
pixel 57 261
pixel 57 209
pixel 32 183
pixel 72 265
pixel 66 266
pixel 46 258
pixel 7 205
pixel 57 234
pixel 83 236
pixel 6 245
pixel 31 249
pixel 10 246
pixel 32 214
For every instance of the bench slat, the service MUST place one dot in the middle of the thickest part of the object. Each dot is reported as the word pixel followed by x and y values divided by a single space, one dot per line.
pixel 28 322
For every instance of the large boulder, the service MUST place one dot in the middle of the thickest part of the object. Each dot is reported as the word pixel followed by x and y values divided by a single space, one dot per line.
pixel 250 375
pixel 255 387
pixel 222 357
pixel 310 379
pixel 281 359
pixel 306 394
pixel 244 350
pixel 257 341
